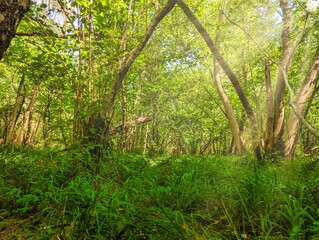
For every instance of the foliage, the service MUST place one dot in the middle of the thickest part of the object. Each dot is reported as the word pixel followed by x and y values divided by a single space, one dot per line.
pixel 74 50
pixel 52 193
pixel 80 77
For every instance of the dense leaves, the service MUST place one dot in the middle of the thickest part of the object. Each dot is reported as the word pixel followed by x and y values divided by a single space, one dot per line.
pixel 77 52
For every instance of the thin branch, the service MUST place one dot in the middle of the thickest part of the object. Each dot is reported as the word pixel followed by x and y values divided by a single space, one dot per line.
pixel 252 38
pixel 32 34
pixel 66 12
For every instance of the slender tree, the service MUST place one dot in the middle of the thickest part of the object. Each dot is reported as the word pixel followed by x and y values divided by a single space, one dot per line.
pixel 279 108
pixel 223 96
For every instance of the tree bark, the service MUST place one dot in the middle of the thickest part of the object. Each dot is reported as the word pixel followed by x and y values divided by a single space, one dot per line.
pixel 11 13
pixel 270 110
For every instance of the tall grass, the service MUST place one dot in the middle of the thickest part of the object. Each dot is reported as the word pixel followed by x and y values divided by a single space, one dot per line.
pixel 52 194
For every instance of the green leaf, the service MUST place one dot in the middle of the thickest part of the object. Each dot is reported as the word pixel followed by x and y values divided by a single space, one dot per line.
pixel 43 5
pixel 92 130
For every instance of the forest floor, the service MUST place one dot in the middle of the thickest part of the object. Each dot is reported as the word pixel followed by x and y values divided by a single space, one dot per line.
pixel 53 194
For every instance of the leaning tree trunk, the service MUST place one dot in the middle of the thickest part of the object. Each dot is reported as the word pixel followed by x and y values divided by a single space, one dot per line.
pixel 100 124
pixel 228 108
pixel 230 74
pixel 15 113
pixel 125 67
pixel 291 128
pixel 11 13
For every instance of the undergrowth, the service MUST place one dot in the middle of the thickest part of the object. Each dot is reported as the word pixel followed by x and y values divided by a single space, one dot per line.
pixel 53 194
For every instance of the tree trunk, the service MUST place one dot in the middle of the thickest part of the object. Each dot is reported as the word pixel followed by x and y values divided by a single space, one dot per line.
pixel 26 118
pixel 228 108
pixel 145 140
pixel 11 13
pixel 270 110
pixel 291 128
pixel 124 133
pixel 279 110
pixel 14 115
pixel 123 138
pixel 31 138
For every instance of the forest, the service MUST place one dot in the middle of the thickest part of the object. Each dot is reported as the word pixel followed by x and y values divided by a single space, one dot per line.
pixel 159 119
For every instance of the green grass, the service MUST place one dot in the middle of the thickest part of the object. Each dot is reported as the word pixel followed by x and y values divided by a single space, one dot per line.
pixel 52 194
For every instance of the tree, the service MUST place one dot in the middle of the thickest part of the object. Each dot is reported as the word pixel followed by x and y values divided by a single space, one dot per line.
pixel 290 134
pixel 275 132
pixel 101 122
pixel 11 13
pixel 275 137
pixel 105 65
pixel 227 106
pixel 229 72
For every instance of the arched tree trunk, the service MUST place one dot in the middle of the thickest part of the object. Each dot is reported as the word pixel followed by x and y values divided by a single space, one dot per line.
pixel 229 72
pixel 126 65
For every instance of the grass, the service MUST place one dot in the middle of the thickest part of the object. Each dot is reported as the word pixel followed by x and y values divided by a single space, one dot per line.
pixel 52 194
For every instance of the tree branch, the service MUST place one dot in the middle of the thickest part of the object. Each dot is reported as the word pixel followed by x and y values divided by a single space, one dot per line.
pixel 140 120
pixel 32 34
